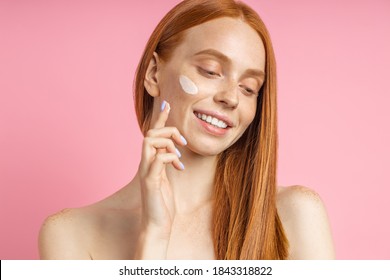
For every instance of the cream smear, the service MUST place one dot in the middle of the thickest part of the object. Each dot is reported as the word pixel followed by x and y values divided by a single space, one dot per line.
pixel 187 85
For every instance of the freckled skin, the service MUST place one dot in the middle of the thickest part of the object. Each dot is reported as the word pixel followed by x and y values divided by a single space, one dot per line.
pixel 305 223
pixel 104 230
pixel 111 228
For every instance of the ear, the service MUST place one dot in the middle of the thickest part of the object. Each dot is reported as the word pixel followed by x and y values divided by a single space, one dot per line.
pixel 151 77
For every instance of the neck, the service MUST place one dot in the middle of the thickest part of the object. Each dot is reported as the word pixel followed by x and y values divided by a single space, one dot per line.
pixel 192 187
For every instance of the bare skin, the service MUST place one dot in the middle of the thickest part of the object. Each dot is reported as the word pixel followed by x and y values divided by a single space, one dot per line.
pixel 108 229
pixel 165 211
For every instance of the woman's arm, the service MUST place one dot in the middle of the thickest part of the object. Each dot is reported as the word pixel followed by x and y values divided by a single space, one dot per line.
pixel 306 223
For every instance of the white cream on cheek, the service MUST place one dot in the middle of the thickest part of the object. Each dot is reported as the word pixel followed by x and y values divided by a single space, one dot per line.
pixel 188 85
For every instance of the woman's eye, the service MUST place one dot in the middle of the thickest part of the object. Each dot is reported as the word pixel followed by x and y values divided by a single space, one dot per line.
pixel 249 90
pixel 209 72
pixel 212 73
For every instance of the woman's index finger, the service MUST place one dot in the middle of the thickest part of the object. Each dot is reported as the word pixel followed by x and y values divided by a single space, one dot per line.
pixel 163 116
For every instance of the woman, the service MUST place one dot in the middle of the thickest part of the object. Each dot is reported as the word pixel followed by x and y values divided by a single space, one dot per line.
pixel 205 97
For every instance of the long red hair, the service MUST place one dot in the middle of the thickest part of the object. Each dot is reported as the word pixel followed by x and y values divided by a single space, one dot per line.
pixel 245 219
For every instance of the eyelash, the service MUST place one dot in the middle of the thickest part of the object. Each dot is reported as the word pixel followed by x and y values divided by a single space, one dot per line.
pixel 248 90
pixel 209 73
pixel 213 74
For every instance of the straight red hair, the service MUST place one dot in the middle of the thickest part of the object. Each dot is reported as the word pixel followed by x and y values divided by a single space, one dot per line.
pixel 245 219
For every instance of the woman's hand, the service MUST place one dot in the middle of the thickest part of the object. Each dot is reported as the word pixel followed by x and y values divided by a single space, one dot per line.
pixel 158 209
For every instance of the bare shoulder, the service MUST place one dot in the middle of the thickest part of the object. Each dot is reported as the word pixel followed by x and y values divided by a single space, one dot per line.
pixel 291 195
pixel 63 235
pixel 306 223
pixel 103 230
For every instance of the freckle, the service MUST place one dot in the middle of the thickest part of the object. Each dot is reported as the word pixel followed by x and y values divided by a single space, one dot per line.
pixel 308 192
pixel 63 214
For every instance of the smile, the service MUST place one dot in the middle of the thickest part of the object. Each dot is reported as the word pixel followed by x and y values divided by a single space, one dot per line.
pixel 211 120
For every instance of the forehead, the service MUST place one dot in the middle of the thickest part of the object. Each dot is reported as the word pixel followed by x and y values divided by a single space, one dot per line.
pixel 232 37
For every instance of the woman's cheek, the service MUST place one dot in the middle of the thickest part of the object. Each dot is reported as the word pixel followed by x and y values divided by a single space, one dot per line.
pixel 251 111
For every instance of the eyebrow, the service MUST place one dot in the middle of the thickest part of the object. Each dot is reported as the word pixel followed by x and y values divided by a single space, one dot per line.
pixel 222 57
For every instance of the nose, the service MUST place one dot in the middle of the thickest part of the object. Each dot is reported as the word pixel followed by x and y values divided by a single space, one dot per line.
pixel 228 96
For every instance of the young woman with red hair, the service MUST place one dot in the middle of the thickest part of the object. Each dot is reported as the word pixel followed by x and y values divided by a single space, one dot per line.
pixel 205 97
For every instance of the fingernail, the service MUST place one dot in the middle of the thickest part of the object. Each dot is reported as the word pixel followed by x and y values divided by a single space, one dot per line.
pixel 181 166
pixel 178 153
pixel 183 140
pixel 163 105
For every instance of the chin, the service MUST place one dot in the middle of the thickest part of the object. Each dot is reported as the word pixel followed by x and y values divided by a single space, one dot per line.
pixel 205 151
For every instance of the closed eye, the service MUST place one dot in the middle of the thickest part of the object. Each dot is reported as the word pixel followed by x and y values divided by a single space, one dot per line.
pixel 208 73
pixel 248 90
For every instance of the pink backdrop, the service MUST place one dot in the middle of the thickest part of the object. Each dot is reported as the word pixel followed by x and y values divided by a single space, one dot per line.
pixel 68 132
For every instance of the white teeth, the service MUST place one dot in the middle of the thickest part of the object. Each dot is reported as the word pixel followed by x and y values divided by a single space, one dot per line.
pixel 222 124
pixel 212 120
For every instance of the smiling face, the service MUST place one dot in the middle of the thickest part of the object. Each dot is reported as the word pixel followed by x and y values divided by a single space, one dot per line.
pixel 211 82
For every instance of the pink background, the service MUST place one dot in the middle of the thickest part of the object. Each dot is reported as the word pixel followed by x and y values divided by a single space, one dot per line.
pixel 68 132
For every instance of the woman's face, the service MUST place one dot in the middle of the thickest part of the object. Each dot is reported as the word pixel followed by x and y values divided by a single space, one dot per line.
pixel 214 74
